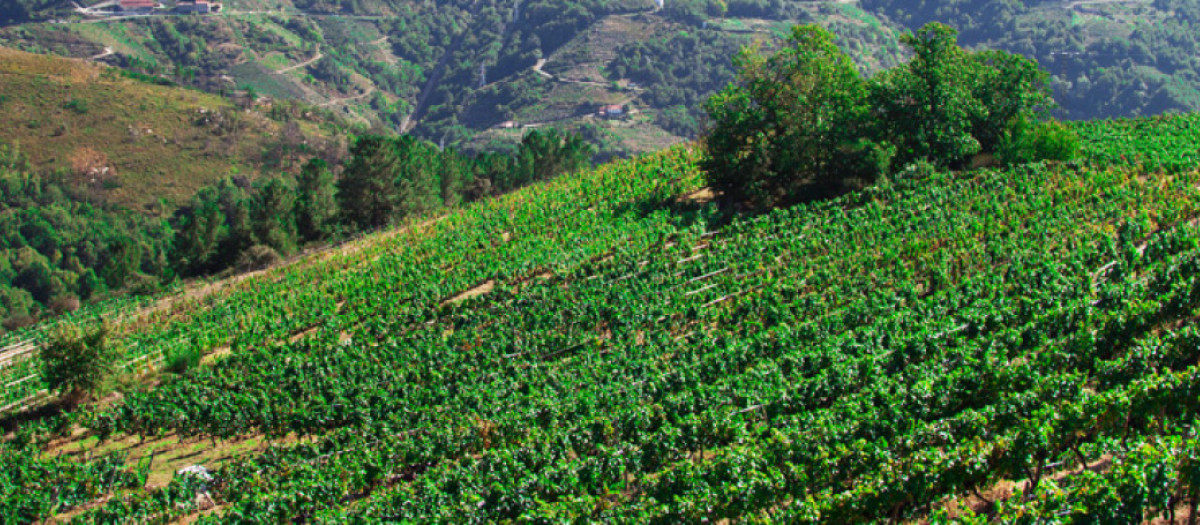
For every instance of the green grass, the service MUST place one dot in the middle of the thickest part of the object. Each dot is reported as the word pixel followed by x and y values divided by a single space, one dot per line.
pixel 265 81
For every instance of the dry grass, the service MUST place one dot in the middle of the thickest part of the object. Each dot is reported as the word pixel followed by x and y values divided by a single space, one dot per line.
pixel 156 139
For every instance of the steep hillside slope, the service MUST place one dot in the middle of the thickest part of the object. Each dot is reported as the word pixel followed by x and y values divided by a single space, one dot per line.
pixel 133 142
pixel 601 347
pixel 473 74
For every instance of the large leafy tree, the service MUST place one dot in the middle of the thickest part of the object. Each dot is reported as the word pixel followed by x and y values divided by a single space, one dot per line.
pixel 790 126
pixel 200 227
pixel 802 124
pixel 1010 88
pixel 544 154
pixel 948 104
pixel 239 232
pixel 928 105
pixel 417 177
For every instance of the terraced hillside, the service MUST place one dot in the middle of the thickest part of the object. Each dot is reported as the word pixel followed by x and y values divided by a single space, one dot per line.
pixel 1000 345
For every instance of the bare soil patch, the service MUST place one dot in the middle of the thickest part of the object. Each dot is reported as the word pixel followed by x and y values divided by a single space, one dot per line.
pixel 481 289
pixel 700 196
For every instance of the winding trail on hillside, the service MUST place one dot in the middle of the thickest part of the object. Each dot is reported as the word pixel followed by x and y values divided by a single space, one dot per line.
pixel 364 94
pixel 306 63
pixel 537 68
pixel 1084 3
pixel 108 51
pixel 541 63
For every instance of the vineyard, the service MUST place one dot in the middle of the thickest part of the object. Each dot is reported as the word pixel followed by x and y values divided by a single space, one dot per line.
pixel 1012 345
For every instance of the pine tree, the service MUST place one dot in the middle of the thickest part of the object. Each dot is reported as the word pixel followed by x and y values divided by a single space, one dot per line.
pixel 316 204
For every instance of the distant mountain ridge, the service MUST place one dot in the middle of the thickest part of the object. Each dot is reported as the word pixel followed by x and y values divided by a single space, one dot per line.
pixel 476 73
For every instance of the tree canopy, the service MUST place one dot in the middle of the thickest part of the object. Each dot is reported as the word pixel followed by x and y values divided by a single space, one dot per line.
pixel 801 123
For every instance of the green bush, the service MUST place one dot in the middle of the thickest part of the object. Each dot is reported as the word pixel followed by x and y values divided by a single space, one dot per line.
pixel 1027 141
pixel 77 105
pixel 77 361
pixel 180 361
pixel 257 257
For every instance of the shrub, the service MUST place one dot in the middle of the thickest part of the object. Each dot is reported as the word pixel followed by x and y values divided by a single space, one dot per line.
pixel 1027 141
pixel 181 361
pixel 79 106
pixel 76 362
pixel 257 257
pixel 64 304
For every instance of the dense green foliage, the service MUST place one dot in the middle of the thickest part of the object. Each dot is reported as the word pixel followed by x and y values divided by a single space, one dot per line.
pixel 681 70
pixel 802 124
pixel 316 207
pixel 391 178
pixel 387 179
pixel 859 359
pixel 26 479
pixel 57 248
pixel 76 361
pixel 1148 67
pixel 790 124
pixel 608 347
pixel 22 10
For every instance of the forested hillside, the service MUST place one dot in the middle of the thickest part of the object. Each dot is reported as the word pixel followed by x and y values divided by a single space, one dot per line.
pixel 472 73
pixel 112 183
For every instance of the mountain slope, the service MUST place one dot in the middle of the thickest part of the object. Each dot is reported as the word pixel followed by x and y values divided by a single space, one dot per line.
pixel 451 72
pixel 463 73
pixel 604 347
pixel 133 142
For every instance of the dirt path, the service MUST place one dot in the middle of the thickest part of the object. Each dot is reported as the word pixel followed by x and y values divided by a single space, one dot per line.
pixel 365 94
pixel 1082 3
pixel 306 63
pixel 541 63
pixel 537 68
pixel 108 51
